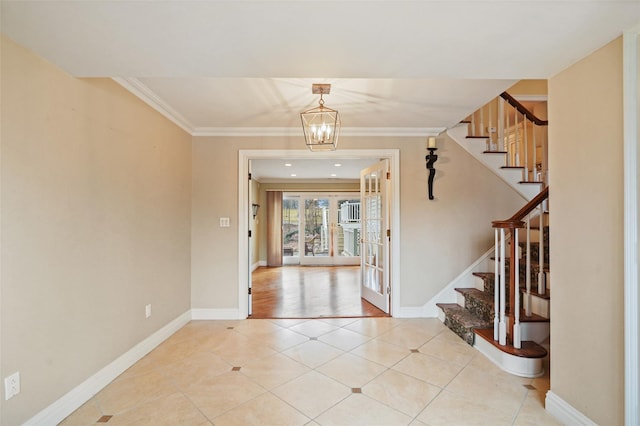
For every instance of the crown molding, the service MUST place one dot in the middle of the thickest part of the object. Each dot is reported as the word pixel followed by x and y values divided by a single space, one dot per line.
pixel 296 131
pixel 148 96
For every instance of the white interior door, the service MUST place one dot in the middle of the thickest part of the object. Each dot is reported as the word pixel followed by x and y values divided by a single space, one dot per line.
pixel 374 252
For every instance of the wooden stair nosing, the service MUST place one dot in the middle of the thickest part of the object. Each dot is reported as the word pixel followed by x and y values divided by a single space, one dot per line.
pixel 512 167
pixel 529 348
pixel 494 152
pixel 489 300
pixel 478 137
pixel 530 182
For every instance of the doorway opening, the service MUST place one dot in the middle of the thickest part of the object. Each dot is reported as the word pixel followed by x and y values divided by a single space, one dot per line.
pixel 318 248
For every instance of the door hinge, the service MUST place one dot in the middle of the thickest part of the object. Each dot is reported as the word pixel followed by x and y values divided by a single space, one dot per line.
pixel 249 176
pixel 249 290
pixel 388 233
pixel 388 175
pixel 388 290
pixel 249 233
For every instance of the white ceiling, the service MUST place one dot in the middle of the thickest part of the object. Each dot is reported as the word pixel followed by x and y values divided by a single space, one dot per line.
pixel 337 169
pixel 246 67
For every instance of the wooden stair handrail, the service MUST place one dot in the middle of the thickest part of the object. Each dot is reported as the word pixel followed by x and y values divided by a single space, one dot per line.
pixel 516 221
pixel 523 110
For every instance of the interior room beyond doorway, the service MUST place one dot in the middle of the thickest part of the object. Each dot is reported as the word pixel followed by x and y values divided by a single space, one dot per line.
pixel 309 292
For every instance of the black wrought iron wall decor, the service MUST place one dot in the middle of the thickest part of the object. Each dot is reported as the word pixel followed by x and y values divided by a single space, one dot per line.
pixel 431 159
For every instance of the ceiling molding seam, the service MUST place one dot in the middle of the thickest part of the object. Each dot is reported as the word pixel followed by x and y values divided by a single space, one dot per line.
pixel 140 90
pixel 296 131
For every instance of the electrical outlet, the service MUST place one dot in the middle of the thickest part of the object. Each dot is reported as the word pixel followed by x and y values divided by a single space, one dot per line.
pixel 224 222
pixel 12 385
pixel 147 310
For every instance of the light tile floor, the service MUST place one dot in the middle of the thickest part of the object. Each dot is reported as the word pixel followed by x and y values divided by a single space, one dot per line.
pixel 359 371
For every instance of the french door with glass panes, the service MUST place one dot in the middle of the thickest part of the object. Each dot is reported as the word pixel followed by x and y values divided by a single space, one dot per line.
pixel 321 228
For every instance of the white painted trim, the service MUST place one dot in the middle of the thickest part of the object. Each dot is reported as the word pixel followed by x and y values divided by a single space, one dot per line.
pixel 243 211
pixel 448 293
pixel 73 399
pixel 519 366
pixel 297 131
pixel 216 314
pixel 148 96
pixel 631 320
pixel 564 412
pixel 258 264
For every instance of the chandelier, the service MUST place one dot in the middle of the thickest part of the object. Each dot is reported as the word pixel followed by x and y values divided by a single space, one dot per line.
pixel 321 124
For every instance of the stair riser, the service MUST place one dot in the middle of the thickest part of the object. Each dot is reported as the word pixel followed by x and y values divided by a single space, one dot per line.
pixel 479 308
pixel 465 334
pixel 539 306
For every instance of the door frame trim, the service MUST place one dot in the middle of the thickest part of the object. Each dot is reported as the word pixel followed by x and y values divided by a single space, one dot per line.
pixel 244 156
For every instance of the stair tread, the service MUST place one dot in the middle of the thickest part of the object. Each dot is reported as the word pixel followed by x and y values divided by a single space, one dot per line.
pixel 477 137
pixel 513 167
pixel 529 348
pixel 494 152
pixel 526 182
pixel 489 299
pixel 463 316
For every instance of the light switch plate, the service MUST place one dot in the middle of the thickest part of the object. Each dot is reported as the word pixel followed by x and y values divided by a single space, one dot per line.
pixel 224 222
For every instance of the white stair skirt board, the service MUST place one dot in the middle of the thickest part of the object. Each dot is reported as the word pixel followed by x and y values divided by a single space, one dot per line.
pixel 564 412
pixel 535 331
pixel 523 367
pixel 74 399
pixel 493 162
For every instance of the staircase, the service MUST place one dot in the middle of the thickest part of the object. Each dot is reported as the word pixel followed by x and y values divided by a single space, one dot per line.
pixel 506 314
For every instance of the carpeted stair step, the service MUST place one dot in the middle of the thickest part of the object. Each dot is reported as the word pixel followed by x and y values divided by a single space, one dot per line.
pixel 478 302
pixel 461 321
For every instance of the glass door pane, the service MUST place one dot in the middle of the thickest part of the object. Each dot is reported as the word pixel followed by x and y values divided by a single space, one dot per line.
pixel 290 228
pixel 316 227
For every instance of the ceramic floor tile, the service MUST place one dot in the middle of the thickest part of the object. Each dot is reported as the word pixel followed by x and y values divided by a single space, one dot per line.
pixel 143 366
pixel 313 328
pixel 401 392
pixel 381 352
pixel 167 353
pixel 124 394
pixel 197 368
pixel 257 327
pixel 406 337
pixel 262 411
pixel 313 353
pixel 533 413
pixel 456 352
pixel 344 339
pixel 432 326
pixel 373 327
pixel 339 322
pixel 243 352
pixel 449 409
pixel 499 391
pixel 171 410
pixel 282 339
pixel 359 409
pixel 312 393
pixel 288 322
pixel 220 394
pixel 428 368
pixel 274 370
pixel 351 370
pixel 87 414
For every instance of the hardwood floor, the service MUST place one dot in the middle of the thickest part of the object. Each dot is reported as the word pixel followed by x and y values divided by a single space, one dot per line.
pixel 309 292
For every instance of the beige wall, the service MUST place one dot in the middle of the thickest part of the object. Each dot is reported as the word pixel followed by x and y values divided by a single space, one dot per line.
pixel 528 87
pixel 95 225
pixel 585 154
pixel 438 240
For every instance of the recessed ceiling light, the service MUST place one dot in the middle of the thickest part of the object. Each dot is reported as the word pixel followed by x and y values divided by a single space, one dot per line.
pixel 293 175
pixel 333 175
pixel 287 164
pixel 337 164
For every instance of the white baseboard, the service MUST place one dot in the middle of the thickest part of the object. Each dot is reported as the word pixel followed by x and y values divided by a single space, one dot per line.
pixel 215 314
pixel 73 399
pixel 258 264
pixel 564 412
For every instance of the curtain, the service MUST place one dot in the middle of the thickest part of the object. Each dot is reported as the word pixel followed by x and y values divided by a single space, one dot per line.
pixel 274 228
